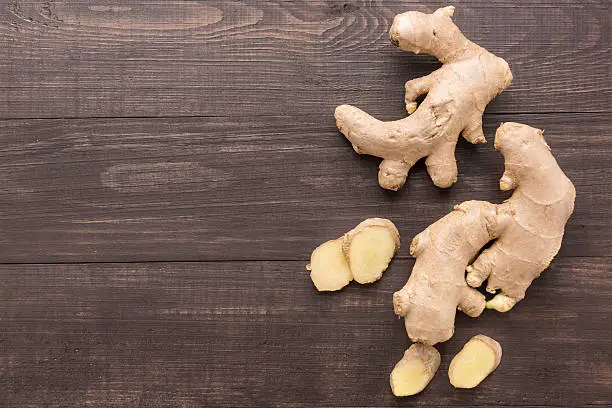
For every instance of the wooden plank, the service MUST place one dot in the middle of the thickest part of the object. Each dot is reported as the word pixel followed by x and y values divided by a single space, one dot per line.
pixel 247 189
pixel 258 334
pixel 175 58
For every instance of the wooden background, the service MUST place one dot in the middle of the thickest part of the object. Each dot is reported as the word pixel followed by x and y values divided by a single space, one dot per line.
pixel 166 168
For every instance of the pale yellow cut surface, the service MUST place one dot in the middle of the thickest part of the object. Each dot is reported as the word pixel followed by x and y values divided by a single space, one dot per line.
pixel 370 253
pixel 472 365
pixel 328 267
pixel 409 377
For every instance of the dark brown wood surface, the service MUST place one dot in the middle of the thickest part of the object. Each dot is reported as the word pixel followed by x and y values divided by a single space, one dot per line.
pixel 166 168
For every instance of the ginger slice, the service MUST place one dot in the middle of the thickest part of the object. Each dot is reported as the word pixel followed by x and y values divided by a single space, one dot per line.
pixel 369 248
pixel 415 370
pixel 362 254
pixel 329 270
pixel 477 359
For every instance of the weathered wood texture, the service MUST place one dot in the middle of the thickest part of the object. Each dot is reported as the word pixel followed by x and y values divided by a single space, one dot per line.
pixel 257 334
pixel 222 58
pixel 244 189
pixel 172 131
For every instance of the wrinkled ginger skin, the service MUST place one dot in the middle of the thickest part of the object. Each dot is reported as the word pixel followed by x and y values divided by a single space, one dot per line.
pixel 437 288
pixel 527 228
pixel 540 206
pixel 457 95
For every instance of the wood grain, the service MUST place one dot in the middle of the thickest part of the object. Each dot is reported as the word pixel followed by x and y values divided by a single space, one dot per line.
pixel 258 334
pixel 216 189
pixel 217 58
pixel 138 135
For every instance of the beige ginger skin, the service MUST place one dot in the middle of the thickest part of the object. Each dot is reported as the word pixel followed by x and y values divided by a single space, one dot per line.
pixel 540 206
pixel 457 95
pixel 437 287
pixel 527 228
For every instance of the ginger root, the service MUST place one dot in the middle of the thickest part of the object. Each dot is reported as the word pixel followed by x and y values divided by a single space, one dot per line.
pixel 457 95
pixel 535 216
pixel 437 287
pixel 415 370
pixel 527 228
pixel 362 254
pixel 477 359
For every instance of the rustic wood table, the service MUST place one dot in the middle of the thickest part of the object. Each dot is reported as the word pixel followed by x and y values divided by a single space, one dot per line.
pixel 168 166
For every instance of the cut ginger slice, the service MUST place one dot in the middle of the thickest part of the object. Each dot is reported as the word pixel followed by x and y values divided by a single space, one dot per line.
pixel 476 360
pixel 362 254
pixel 369 250
pixel 328 267
pixel 415 370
